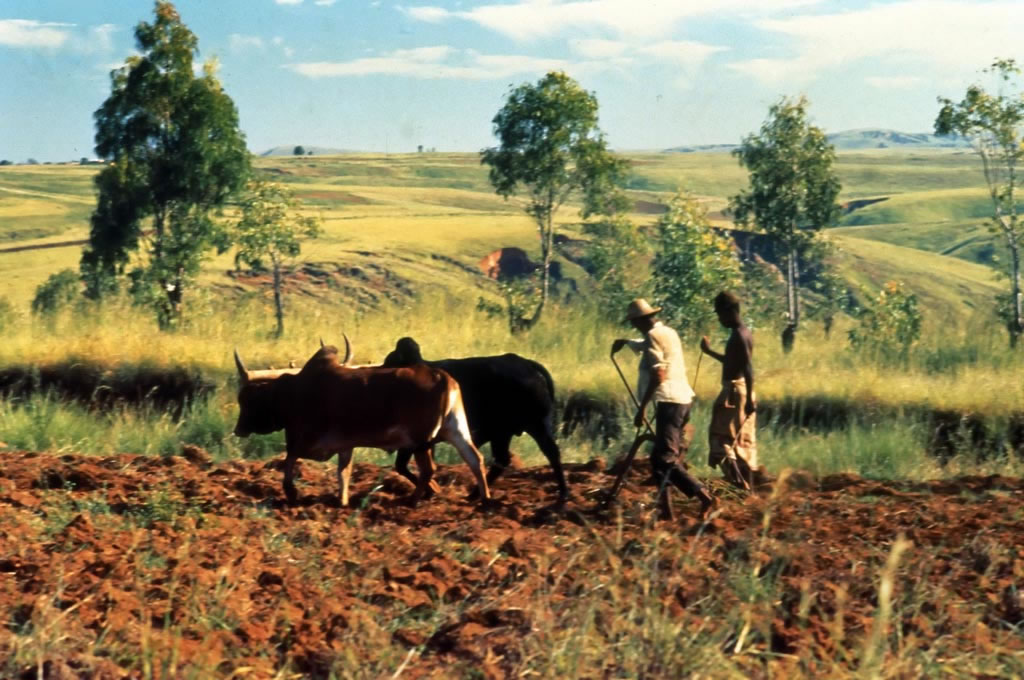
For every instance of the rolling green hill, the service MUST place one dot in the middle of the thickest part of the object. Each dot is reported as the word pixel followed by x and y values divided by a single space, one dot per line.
pixel 425 220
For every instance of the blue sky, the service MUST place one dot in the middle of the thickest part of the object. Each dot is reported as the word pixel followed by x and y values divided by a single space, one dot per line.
pixel 379 75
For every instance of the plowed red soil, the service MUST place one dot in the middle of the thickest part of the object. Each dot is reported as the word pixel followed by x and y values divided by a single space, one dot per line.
pixel 132 566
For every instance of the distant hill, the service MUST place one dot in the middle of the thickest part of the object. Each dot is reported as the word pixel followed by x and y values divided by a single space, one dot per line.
pixel 884 139
pixel 317 150
pixel 852 140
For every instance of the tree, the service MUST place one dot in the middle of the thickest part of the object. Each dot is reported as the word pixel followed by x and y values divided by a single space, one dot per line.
pixel 271 228
pixel 299 151
pixel 693 262
pixel 994 124
pixel 551 149
pixel 793 189
pixel 177 154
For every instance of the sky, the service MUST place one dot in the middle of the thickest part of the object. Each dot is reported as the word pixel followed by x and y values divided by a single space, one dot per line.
pixel 376 75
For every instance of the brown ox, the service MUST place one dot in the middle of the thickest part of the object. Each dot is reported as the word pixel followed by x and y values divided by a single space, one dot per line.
pixel 329 407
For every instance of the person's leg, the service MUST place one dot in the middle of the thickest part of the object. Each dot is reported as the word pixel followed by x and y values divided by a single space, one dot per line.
pixel 669 421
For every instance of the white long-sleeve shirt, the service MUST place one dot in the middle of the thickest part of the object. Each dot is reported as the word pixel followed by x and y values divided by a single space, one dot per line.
pixel 661 348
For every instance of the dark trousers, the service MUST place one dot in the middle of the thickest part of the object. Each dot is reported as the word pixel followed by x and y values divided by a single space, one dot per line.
pixel 670 448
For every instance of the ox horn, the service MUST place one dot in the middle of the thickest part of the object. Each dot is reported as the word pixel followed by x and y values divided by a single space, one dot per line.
pixel 322 345
pixel 242 372
pixel 348 350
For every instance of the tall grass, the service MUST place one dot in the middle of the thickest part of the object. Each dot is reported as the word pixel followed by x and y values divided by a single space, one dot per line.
pixel 883 431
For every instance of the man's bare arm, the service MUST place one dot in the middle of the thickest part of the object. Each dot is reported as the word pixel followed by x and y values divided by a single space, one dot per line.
pixel 705 346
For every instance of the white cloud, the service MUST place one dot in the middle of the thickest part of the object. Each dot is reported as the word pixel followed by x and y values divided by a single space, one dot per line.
pixel 794 72
pixel 531 19
pixel 893 82
pixel 952 36
pixel 288 2
pixel 432 63
pixel 431 15
pixel 29 33
pixel 324 3
pixel 101 36
pixel 595 48
pixel 680 51
pixel 238 42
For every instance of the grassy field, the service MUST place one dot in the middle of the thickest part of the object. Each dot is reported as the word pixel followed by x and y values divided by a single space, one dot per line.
pixel 399 254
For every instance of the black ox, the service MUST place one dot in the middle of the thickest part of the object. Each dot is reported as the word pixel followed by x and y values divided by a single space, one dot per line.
pixel 504 396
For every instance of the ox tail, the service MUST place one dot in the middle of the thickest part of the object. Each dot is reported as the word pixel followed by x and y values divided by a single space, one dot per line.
pixel 547 378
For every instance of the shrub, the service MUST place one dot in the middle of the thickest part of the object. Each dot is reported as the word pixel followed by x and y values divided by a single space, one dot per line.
pixel 617 255
pixel 693 263
pixel 890 326
pixel 58 291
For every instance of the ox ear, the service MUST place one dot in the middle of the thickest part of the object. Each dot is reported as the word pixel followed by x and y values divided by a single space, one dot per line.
pixel 348 350
pixel 240 365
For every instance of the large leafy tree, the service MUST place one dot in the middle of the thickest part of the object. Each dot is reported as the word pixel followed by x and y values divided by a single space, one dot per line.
pixel 270 229
pixel 550 150
pixel 176 154
pixel 792 191
pixel 994 124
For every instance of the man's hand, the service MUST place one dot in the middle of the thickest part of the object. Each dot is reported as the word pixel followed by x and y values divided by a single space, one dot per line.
pixel 618 344
pixel 751 407
pixel 638 421
pixel 705 345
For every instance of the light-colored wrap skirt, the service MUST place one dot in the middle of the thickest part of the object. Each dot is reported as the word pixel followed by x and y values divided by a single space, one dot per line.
pixel 729 419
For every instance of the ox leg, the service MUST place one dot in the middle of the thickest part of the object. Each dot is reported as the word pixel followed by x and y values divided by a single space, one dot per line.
pixel 464 444
pixel 402 468
pixel 547 444
pixel 289 479
pixel 425 485
pixel 402 459
pixel 501 457
pixel 344 475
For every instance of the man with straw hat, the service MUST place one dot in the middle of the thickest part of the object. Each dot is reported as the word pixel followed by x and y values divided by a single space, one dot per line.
pixel 662 378
pixel 731 434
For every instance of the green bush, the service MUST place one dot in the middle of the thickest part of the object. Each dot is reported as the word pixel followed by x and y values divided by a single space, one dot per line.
pixel 58 291
pixel 890 326
pixel 693 263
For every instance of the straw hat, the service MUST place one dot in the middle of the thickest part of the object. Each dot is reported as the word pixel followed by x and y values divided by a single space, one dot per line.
pixel 640 308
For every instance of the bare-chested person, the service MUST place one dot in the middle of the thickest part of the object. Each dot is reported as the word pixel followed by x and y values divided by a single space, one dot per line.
pixel 731 435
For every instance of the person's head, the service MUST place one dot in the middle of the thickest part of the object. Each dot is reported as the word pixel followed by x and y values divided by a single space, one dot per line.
pixel 641 315
pixel 727 307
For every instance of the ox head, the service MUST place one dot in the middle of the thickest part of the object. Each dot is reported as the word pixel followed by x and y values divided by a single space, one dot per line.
pixel 259 410
pixel 331 349
pixel 406 353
